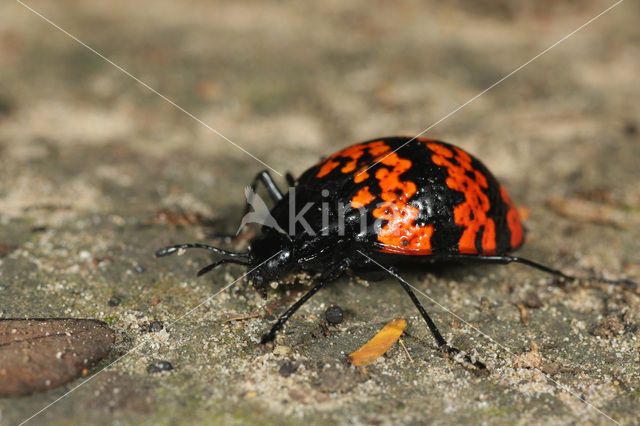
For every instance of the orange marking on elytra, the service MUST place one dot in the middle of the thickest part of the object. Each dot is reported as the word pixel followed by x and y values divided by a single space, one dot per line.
pixel 400 234
pixel 471 213
pixel 353 153
pixel 362 198
pixel 513 220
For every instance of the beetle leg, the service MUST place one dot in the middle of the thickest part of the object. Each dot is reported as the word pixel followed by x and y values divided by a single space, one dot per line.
pixel 509 259
pixel 291 181
pixel 273 191
pixel 333 273
pixel 269 184
pixel 544 268
pixel 432 326
pixel 271 335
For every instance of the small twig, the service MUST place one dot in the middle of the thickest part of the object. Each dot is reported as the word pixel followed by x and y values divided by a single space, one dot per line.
pixel 405 349
pixel 242 317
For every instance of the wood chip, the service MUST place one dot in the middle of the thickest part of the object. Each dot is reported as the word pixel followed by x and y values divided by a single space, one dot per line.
pixel 41 354
pixel 523 312
pixel 380 343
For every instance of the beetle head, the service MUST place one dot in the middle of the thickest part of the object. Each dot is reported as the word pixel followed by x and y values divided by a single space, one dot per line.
pixel 271 257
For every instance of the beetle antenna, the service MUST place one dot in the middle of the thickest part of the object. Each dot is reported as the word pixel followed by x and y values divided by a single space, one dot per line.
pixel 214 265
pixel 166 251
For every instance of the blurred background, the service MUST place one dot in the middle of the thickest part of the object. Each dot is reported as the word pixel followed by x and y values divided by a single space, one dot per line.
pixel 96 172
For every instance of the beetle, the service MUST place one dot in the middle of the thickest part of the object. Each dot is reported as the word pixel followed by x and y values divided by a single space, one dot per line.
pixel 383 201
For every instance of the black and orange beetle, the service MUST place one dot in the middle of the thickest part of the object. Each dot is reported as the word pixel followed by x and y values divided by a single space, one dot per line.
pixel 387 200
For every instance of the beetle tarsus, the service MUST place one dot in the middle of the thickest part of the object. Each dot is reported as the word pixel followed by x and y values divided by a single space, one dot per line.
pixel 166 251
pixel 268 338
pixel 453 352
pixel 442 343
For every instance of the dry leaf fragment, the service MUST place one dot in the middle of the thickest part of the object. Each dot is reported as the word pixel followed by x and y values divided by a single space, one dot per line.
pixel 380 343
pixel 41 354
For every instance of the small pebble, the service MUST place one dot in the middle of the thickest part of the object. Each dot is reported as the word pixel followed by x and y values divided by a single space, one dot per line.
pixel 115 300
pixel 532 301
pixel 287 369
pixel 282 350
pixel 155 326
pixel 630 128
pixel 160 366
pixel 334 315
pixel 151 327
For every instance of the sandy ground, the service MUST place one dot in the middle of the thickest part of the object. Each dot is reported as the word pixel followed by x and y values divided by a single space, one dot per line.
pixel 88 157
